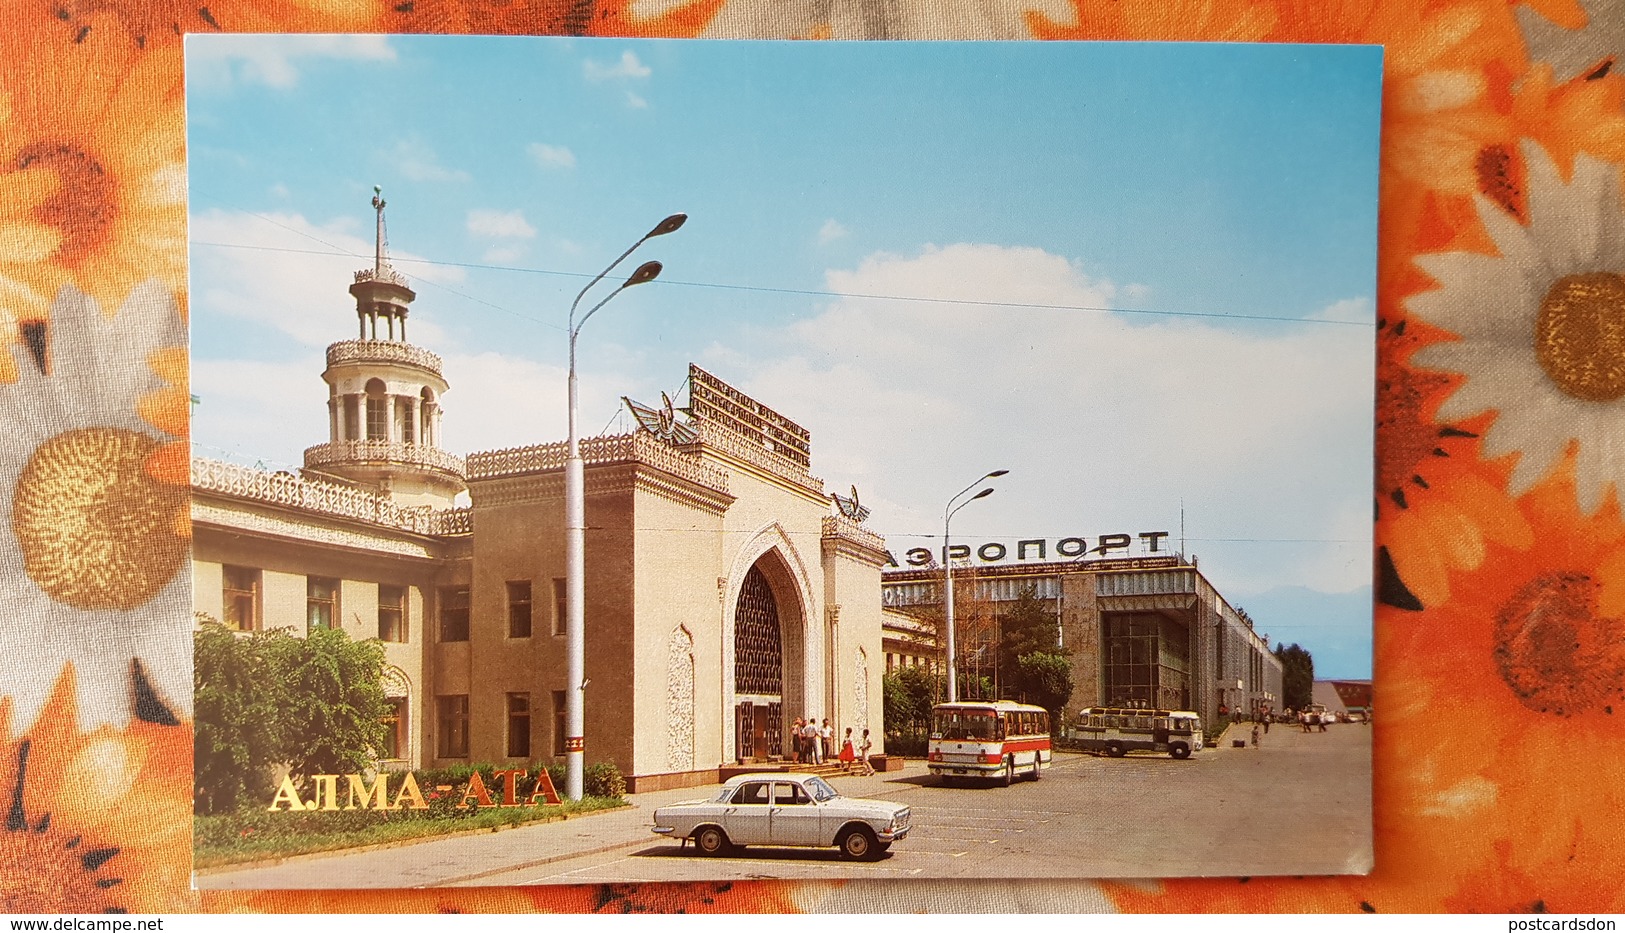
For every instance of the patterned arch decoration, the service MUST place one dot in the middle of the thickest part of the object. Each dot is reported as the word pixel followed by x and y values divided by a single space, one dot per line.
pixel 758 646
pixel 394 682
pixel 860 687
pixel 680 700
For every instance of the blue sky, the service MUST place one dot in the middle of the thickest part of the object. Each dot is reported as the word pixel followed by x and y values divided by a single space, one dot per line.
pixel 907 247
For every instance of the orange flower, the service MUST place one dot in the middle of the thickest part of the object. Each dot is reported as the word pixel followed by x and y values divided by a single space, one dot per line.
pixel 157 23
pixel 1185 21
pixel 1582 115
pixel 105 816
pixel 544 17
pixel 103 123
pixel 1438 505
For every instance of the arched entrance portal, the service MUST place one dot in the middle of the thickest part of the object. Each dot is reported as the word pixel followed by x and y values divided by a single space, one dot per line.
pixel 758 669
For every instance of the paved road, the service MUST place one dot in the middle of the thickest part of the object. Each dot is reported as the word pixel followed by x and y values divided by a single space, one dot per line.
pixel 1300 805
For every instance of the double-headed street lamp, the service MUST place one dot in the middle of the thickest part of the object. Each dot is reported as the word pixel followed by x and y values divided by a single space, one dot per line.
pixel 948 573
pixel 575 528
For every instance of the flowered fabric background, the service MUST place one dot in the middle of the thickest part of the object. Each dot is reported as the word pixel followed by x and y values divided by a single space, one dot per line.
pixel 1500 634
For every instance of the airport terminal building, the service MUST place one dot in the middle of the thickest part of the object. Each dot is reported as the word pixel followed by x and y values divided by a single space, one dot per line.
pixel 725 595
pixel 1147 631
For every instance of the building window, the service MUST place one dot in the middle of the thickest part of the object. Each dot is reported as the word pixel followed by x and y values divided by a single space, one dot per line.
pixel 377 411
pixel 453 726
pixel 240 592
pixel 391 613
pixel 518 608
pixel 454 613
pixel 352 418
pixel 518 725
pixel 560 715
pixel 321 602
pixel 395 721
pixel 408 435
pixel 559 610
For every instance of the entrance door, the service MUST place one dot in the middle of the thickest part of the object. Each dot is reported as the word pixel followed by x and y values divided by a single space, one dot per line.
pixel 744 722
pixel 758 669
pixel 758 732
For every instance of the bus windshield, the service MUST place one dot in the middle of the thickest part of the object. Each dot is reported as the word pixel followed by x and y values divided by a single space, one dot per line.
pixel 962 724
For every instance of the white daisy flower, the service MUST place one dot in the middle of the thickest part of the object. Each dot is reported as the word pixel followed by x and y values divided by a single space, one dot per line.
pixel 1542 328
pixel 93 560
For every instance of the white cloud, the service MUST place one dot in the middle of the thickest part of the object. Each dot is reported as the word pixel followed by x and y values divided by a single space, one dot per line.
pixel 636 102
pixel 549 156
pixel 498 401
pixel 500 255
pixel 831 231
pixel 417 162
pixel 1105 421
pixel 627 67
pixel 486 222
pixel 292 274
pixel 255 412
pixel 274 60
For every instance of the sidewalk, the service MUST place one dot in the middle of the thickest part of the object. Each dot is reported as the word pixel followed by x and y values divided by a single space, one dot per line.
pixel 467 858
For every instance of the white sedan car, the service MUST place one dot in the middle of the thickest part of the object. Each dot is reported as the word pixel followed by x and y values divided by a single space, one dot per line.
pixel 785 809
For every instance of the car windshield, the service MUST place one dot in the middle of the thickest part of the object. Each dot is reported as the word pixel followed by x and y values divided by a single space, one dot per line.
pixel 723 795
pixel 821 791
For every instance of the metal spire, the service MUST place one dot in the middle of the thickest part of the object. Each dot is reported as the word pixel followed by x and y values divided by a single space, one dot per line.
pixel 379 263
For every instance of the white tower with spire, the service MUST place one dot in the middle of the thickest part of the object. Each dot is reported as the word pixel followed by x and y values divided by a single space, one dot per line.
pixel 384 397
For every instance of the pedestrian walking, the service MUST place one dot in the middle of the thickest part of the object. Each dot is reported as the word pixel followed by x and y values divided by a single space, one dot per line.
pixel 796 743
pixel 826 736
pixel 1255 735
pixel 848 755
pixel 1322 720
pixel 863 754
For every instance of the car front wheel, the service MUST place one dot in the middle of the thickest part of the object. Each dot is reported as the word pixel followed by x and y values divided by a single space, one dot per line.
pixel 859 844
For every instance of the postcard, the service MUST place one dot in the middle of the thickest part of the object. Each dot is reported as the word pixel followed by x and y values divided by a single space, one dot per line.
pixel 635 460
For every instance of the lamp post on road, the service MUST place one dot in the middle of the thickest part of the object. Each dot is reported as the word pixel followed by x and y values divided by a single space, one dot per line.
pixel 948 574
pixel 575 528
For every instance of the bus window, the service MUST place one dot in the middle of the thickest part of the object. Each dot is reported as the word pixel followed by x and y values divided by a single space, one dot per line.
pixel 966 724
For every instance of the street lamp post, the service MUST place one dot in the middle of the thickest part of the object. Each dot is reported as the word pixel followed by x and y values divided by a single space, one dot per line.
pixel 948 574
pixel 575 529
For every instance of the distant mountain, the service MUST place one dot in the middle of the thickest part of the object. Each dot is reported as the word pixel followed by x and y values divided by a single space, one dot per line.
pixel 1334 627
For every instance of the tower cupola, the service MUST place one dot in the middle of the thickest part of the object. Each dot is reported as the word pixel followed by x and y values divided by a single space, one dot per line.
pixel 384 396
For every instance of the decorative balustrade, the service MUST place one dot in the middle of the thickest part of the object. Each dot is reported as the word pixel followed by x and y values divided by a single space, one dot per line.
pixel 639 447
pixel 836 526
pixel 381 275
pixel 332 499
pixel 383 452
pixel 757 454
pixel 382 351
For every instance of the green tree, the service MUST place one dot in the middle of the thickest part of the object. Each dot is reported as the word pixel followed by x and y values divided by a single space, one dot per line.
pixel 1297 675
pixel 1047 677
pixel 1028 626
pixel 237 733
pixel 910 692
pixel 334 702
pixel 314 704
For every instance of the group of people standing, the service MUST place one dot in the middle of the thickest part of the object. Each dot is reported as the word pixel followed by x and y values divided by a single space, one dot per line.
pixel 815 744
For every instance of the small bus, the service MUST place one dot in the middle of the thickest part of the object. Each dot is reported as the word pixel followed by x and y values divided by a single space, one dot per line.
pixel 988 739
pixel 1116 731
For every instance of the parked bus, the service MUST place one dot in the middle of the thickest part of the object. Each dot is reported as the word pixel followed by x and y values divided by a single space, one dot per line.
pixel 1118 731
pixel 988 739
